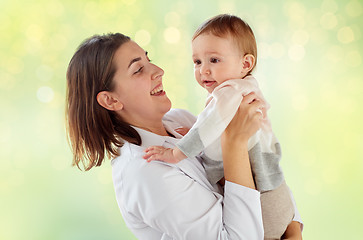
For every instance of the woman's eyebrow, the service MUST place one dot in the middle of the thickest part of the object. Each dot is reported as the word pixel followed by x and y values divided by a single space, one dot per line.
pixel 133 61
pixel 136 60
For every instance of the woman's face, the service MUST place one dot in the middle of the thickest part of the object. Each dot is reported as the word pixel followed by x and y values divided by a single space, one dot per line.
pixel 138 86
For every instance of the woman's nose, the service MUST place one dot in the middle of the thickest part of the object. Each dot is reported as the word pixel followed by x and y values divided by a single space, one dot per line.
pixel 157 72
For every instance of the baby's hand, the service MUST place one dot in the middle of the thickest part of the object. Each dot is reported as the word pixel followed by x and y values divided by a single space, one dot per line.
pixel 160 153
pixel 182 130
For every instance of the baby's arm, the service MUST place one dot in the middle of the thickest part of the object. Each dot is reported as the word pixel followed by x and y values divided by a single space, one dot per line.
pixel 168 155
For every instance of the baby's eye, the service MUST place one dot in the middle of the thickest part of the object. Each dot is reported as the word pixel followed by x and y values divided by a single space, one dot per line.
pixel 197 62
pixel 214 60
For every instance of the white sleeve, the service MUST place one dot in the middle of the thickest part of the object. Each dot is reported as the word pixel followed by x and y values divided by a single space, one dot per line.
pixel 297 216
pixel 212 121
pixel 173 203
pixel 180 116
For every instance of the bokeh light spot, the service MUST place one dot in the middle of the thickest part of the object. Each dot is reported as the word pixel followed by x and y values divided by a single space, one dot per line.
pixel 353 59
pixel 34 32
pixel 299 102
pixel 142 37
pixel 104 176
pixel 313 187
pixel 329 6
pixel 334 54
pixel 45 94
pixel 172 35
pixel 345 35
pixel 307 159
pixel 128 2
pixel 16 178
pixel 296 52
pixel 14 65
pixel 300 37
pixel 227 6
pixel 172 19
pixel 59 42
pixel 354 8
pixel 328 21
pixel 263 50
pixel 330 175
pixel 55 8
pixel 44 72
pixel 60 163
pixel 295 10
pixel 276 50
pixel 7 81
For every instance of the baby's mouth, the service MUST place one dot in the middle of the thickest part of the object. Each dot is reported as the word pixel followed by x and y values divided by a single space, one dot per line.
pixel 208 83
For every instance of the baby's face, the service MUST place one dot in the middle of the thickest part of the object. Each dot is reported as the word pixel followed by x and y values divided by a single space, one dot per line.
pixel 216 60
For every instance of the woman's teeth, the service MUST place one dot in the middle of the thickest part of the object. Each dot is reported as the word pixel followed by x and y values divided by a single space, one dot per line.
pixel 156 90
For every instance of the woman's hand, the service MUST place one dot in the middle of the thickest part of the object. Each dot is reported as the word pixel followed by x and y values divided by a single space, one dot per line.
pixel 293 231
pixel 246 122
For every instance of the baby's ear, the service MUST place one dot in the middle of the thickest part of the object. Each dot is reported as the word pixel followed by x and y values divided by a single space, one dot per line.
pixel 248 63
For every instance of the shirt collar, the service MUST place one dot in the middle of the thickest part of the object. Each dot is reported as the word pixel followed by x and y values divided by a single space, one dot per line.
pixel 151 139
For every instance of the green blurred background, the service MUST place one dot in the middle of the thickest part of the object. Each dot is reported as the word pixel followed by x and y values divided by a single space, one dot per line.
pixel 309 68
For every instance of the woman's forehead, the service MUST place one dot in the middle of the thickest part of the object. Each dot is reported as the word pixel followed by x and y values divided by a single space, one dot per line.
pixel 126 53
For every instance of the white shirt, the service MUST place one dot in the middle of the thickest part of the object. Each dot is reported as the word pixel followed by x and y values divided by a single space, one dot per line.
pixel 175 201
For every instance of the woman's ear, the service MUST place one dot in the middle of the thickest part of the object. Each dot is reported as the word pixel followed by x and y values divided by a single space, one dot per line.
pixel 108 101
pixel 248 63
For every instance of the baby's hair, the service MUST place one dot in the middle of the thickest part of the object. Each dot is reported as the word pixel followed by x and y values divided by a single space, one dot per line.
pixel 223 25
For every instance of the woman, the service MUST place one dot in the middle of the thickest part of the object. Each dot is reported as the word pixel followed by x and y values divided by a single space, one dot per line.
pixel 116 106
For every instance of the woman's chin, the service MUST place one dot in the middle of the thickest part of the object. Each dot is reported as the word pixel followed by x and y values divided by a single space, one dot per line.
pixel 166 104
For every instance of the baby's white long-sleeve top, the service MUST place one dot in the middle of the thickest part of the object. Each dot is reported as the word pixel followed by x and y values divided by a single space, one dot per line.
pixel 264 148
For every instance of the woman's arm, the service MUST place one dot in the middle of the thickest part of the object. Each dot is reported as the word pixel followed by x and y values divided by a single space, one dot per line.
pixel 183 206
pixel 237 168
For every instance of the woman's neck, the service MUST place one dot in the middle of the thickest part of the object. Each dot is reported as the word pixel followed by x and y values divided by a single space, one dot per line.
pixel 158 129
pixel 153 124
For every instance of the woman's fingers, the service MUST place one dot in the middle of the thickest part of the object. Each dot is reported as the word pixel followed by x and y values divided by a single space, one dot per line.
pixel 256 107
pixel 255 104
pixel 249 98
pixel 252 98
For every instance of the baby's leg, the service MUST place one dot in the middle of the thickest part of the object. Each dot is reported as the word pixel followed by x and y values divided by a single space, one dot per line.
pixel 277 211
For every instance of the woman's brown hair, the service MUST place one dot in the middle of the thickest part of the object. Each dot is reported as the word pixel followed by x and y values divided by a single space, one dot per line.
pixel 223 25
pixel 93 131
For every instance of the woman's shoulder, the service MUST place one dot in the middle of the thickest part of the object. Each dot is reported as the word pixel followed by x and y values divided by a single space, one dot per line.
pixel 133 170
pixel 136 179
pixel 180 116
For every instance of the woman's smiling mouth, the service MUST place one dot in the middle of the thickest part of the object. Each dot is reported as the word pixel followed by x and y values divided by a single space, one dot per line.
pixel 157 91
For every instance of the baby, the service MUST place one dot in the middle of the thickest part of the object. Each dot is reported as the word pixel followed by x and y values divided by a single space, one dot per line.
pixel 224 55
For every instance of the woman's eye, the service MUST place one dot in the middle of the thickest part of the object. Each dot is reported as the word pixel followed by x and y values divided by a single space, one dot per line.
pixel 147 57
pixel 139 70
pixel 214 60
